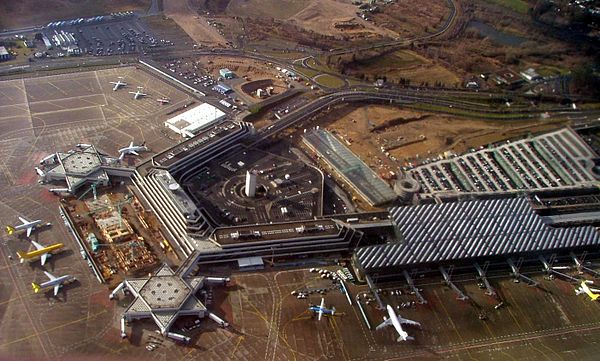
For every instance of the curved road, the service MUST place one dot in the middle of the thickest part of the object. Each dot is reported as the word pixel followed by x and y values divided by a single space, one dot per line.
pixel 315 107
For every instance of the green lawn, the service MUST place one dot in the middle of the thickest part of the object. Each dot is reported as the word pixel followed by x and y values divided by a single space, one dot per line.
pixel 519 6
pixel 329 81
pixel 307 73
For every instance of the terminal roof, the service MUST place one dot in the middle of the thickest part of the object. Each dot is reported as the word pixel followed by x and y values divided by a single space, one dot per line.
pixel 435 233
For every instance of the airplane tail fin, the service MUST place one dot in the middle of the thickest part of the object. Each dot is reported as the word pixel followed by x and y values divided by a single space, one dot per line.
pixel 36 287
pixel 22 255
pixel 10 230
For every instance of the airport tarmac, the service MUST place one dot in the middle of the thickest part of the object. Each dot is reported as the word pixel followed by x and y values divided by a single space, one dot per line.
pixel 39 116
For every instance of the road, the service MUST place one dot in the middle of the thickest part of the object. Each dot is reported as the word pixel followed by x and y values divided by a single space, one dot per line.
pixel 408 96
pixel 404 42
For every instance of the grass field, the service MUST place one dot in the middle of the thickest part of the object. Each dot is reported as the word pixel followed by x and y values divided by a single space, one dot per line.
pixel 329 81
pixel 519 6
pixel 308 73
pixel 397 59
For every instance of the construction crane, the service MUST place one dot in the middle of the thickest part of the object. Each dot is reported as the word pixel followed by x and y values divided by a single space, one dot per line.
pixel 92 188
pixel 119 205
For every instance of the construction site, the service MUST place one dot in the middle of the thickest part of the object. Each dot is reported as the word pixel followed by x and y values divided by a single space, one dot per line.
pixel 116 234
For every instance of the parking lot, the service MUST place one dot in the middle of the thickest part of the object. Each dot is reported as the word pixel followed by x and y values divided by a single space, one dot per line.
pixel 287 189
pixel 554 160
pixel 105 36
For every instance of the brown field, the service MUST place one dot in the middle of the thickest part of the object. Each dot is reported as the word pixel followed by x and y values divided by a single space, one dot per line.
pixel 320 17
pixel 404 64
pixel 442 133
pixel 406 19
pixel 193 24
pixel 254 69
pixel 17 14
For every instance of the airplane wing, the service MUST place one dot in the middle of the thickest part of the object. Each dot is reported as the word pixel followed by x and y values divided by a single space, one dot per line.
pixel 131 145
pixel 43 258
pixel 37 245
pixel 23 220
pixel 49 275
pixel 134 152
pixel 409 322
pixel 121 156
pixel 56 289
pixel 29 229
pixel 595 290
pixel 387 322
pixel 321 308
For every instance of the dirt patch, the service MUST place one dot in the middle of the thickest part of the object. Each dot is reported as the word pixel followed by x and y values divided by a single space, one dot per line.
pixel 194 25
pixel 406 134
pixel 242 67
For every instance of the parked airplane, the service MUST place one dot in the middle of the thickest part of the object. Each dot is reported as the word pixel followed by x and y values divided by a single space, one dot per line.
pixel 25 224
pixel 321 310
pixel 40 252
pixel 593 293
pixel 163 100
pixel 119 83
pixel 132 149
pixel 55 282
pixel 397 322
pixel 138 93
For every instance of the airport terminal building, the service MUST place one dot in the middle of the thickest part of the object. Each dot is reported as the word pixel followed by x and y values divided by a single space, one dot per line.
pixel 462 233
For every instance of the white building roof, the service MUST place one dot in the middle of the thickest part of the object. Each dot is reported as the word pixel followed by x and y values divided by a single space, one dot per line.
pixel 195 119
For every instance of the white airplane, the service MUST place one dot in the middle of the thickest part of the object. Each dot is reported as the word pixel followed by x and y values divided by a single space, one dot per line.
pixel 320 310
pixel 138 93
pixel 55 282
pixel 25 224
pixel 132 149
pixel 163 100
pixel 119 83
pixel 397 322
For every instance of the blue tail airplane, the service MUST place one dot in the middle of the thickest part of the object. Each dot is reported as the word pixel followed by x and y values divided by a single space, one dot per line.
pixel 322 310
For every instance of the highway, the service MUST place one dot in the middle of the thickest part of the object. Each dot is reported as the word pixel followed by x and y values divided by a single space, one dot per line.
pixel 407 97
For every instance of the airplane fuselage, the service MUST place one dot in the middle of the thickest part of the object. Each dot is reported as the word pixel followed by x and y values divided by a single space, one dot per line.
pixel 396 323
pixel 326 311
pixel 39 252
pixel 55 282
pixel 27 225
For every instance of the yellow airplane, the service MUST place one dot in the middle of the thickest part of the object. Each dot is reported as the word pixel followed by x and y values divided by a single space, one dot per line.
pixel 593 293
pixel 40 251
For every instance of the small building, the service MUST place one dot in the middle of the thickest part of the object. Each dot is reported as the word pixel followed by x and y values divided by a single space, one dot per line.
pixel 226 73
pixel 191 122
pixel 47 42
pixel 4 55
pixel 530 75
pixel 222 88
